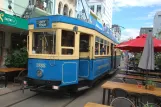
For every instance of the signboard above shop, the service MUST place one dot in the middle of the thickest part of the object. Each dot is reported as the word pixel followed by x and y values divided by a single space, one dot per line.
pixel 13 21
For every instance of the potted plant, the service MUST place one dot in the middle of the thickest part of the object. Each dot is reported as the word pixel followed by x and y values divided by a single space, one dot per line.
pixel 150 85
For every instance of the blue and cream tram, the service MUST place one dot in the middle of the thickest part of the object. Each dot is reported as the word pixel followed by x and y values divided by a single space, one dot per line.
pixel 66 52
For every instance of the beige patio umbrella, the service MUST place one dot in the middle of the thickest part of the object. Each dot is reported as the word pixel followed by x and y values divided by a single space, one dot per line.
pixel 147 58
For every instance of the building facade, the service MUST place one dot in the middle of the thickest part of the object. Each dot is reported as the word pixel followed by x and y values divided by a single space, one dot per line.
pixel 157 25
pixel 146 30
pixel 116 32
pixel 103 9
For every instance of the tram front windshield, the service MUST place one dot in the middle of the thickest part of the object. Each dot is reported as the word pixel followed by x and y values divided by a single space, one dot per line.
pixel 44 43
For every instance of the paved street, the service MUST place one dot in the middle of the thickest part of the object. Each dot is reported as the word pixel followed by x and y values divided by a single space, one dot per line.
pixel 33 99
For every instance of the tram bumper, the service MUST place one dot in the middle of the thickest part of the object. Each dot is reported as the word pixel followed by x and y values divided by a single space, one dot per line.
pixel 41 84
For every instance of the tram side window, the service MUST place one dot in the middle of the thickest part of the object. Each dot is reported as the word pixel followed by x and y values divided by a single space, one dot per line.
pixel 97 45
pixel 44 43
pixel 102 48
pixel 67 42
pixel 108 47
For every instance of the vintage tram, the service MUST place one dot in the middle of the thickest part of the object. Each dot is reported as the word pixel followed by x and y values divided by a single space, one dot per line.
pixel 65 53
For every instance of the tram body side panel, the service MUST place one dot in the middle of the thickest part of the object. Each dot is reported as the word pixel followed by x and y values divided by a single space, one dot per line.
pixel 100 66
pixel 65 71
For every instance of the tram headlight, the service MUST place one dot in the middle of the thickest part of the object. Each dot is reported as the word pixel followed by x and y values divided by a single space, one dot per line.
pixel 39 73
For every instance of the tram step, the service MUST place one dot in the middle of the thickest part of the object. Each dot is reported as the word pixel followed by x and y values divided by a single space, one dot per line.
pixel 83 88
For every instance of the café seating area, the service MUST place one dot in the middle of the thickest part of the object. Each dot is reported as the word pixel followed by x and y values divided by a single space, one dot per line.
pixel 125 90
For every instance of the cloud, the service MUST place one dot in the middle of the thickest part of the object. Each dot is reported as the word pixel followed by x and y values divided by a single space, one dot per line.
pixel 129 33
pixel 149 16
pixel 140 3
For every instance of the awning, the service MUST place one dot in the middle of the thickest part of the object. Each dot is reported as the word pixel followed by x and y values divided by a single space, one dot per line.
pixel 13 21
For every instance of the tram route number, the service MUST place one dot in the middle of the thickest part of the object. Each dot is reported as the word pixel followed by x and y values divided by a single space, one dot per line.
pixel 42 23
pixel 40 65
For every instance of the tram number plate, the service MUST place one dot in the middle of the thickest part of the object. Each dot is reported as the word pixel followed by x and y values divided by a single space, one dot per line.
pixel 42 23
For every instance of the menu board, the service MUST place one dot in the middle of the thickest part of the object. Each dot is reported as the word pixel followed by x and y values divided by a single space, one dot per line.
pixel 42 23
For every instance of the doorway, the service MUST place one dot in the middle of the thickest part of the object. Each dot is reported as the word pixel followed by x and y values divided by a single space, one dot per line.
pixel 84 55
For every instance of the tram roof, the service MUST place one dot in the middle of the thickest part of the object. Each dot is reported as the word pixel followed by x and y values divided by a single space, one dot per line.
pixel 69 20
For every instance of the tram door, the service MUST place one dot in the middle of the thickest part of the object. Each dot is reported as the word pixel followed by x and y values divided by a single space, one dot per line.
pixel 112 58
pixel 84 55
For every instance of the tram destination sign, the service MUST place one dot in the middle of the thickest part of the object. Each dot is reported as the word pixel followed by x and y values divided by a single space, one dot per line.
pixel 42 23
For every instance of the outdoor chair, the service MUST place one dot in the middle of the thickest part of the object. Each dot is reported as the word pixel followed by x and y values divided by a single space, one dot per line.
pixel 122 102
pixel 117 80
pixel 148 98
pixel 117 92
pixel 148 105
pixel 133 96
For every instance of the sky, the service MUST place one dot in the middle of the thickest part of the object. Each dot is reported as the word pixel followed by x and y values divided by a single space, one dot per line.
pixel 134 14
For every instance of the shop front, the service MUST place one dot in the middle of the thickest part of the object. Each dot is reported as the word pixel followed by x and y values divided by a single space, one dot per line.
pixel 13 34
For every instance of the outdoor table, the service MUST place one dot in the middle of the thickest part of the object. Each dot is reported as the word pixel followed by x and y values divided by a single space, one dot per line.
pixel 137 77
pixel 89 104
pixel 131 88
pixel 8 70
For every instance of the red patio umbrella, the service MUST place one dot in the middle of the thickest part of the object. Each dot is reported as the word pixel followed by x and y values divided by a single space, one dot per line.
pixel 137 44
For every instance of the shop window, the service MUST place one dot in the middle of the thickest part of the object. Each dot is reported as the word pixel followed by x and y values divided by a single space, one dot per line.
pixel 67 42
pixel 18 43
pixel 84 42
pixel 44 43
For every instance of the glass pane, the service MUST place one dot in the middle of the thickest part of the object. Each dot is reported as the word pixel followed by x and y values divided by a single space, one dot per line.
pixel 107 49
pixel 67 38
pixel 98 8
pixel 101 40
pixel 96 48
pixel 97 39
pixel 102 50
pixel 44 43
pixel 84 43
pixel 67 51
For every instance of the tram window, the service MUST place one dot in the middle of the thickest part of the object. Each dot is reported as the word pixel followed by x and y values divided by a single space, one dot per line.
pixel 84 42
pixel 67 38
pixel 67 51
pixel 44 43
pixel 108 47
pixel 97 45
pixel 102 47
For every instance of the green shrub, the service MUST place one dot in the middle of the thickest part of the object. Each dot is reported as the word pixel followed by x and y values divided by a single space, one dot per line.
pixel 17 58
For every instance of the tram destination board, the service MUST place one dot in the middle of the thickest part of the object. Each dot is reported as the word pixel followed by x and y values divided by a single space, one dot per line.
pixel 42 23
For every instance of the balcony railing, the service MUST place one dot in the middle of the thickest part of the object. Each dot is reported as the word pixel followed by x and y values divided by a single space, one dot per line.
pixel 45 5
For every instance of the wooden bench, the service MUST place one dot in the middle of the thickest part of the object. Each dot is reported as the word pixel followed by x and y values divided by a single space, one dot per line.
pixel 89 104
pixel 8 70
